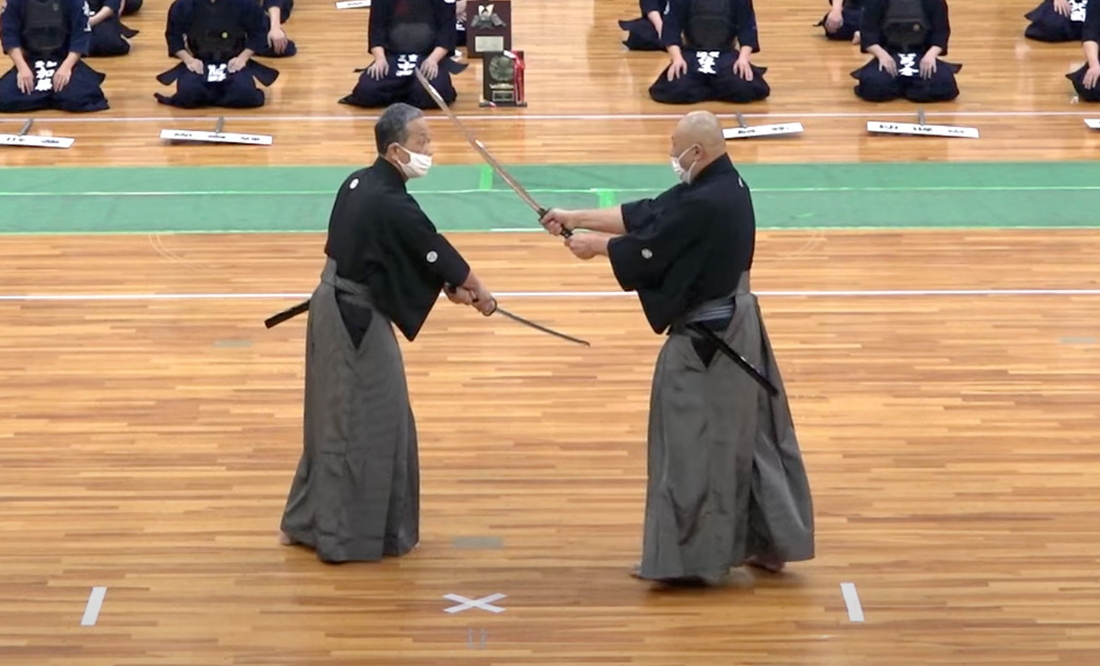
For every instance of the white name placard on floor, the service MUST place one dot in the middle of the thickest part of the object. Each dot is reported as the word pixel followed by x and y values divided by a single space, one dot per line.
pixel 922 130
pixel 1094 123
pixel 215 137
pixel 353 4
pixel 762 130
pixel 35 141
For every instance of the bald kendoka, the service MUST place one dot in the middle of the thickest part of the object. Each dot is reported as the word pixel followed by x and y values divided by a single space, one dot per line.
pixel 726 481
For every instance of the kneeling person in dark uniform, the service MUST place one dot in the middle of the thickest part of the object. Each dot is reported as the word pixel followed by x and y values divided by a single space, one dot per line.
pixel 216 40
pixel 843 20
pixel 1086 80
pixel 406 35
pixel 109 35
pixel 1057 21
pixel 46 41
pixel 699 36
pixel 644 34
pixel 906 37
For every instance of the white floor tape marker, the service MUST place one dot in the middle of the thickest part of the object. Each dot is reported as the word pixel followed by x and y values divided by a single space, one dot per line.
pixel 485 603
pixel 851 600
pixel 95 603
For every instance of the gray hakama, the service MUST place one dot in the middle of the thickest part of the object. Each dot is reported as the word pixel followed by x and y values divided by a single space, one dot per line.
pixel 356 492
pixel 726 479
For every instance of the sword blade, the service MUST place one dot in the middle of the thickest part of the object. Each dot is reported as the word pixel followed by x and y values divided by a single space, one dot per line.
pixel 540 327
pixel 484 152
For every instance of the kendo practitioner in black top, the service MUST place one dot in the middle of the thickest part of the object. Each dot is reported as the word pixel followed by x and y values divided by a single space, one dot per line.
pixel 356 493
pixel 1086 80
pixel 906 37
pixel 130 7
pixel 1057 21
pixel 705 66
pixel 216 40
pixel 406 35
pixel 726 482
pixel 276 14
pixel 644 34
pixel 109 35
pixel 843 20
pixel 47 41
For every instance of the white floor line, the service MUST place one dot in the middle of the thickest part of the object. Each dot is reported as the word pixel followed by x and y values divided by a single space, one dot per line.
pixel 185 123
pixel 95 603
pixel 890 293
pixel 851 600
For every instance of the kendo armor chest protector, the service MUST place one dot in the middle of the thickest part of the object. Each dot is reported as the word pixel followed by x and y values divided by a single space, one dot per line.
pixel 215 35
pixel 413 29
pixel 45 27
pixel 905 25
pixel 710 25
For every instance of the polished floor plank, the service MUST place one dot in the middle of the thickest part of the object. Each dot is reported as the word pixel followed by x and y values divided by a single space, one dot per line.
pixel 147 446
pixel 588 72
pixel 834 260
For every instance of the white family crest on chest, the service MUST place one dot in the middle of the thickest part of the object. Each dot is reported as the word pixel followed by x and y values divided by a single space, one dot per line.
pixel 707 61
pixel 216 73
pixel 1077 10
pixel 406 64
pixel 908 64
pixel 43 75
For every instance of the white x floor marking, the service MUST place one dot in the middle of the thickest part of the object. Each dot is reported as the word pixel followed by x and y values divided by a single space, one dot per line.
pixel 485 603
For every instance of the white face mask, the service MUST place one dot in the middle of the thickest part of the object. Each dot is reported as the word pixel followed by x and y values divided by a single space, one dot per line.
pixel 418 165
pixel 683 174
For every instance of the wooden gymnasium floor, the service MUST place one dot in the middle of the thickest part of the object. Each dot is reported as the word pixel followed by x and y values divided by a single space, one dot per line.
pixel 150 426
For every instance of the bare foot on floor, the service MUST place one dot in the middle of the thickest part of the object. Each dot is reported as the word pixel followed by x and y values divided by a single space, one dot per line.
pixel 767 565
pixel 285 539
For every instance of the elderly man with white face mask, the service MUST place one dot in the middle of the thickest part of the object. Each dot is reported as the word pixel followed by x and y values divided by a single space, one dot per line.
pixel 356 494
pixel 726 481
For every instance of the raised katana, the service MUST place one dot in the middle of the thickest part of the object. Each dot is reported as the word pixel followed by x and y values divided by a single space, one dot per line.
pixel 484 152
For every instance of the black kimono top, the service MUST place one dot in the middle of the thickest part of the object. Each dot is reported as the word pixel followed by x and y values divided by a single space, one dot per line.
pixel 379 237
pixel 688 246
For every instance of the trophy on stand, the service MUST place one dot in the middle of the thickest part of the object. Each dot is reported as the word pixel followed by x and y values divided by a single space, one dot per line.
pixel 502 79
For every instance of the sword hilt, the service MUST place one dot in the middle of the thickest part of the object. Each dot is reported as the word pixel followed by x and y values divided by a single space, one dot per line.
pixel 566 233
pixel 452 289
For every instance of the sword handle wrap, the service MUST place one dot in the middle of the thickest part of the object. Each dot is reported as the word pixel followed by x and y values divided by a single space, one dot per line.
pixel 452 289
pixel 566 233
